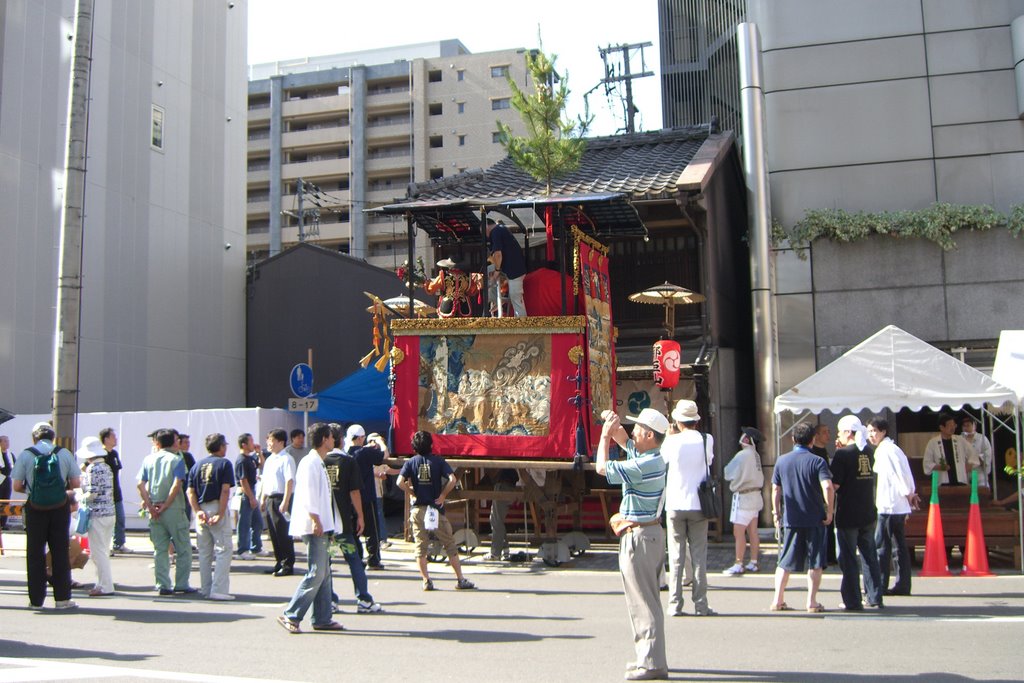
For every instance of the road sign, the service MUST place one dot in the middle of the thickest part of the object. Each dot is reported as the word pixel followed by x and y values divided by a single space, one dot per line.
pixel 304 405
pixel 301 380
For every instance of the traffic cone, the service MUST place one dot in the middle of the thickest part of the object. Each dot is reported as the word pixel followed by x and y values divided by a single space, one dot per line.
pixel 935 561
pixel 976 552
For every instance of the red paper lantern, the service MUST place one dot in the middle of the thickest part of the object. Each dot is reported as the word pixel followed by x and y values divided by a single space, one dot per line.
pixel 667 358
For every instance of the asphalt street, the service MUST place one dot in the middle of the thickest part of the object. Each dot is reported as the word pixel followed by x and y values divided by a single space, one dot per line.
pixel 526 622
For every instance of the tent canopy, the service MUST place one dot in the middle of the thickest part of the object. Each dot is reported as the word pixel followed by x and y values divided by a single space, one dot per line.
pixel 1009 367
pixel 361 397
pixel 894 369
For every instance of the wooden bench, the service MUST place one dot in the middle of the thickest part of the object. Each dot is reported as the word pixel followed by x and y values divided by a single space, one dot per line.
pixel 1000 525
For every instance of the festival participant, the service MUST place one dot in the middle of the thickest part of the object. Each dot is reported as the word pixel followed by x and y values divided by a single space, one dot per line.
pixel 423 477
pixel 951 454
pixel 278 485
pixel 642 540
pixel 209 489
pixel 508 258
pixel 981 445
pixel 895 496
pixel 368 452
pixel 98 499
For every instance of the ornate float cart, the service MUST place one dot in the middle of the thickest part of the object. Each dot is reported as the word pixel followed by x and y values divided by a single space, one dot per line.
pixel 523 393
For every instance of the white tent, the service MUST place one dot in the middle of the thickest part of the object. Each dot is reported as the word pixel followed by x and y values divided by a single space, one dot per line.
pixel 1009 367
pixel 893 369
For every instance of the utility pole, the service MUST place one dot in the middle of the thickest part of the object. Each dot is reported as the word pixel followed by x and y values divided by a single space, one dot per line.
pixel 69 275
pixel 300 192
pixel 625 75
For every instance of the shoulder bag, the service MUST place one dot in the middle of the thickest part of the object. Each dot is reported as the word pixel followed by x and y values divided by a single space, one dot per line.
pixel 709 490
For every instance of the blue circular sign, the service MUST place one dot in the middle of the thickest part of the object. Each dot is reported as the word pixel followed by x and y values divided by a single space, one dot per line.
pixel 301 380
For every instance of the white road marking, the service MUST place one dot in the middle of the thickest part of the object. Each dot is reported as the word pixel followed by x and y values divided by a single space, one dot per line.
pixel 15 670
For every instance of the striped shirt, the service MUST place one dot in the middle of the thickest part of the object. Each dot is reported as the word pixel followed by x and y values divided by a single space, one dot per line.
pixel 642 476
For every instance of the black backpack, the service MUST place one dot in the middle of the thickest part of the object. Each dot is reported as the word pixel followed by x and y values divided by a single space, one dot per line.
pixel 49 487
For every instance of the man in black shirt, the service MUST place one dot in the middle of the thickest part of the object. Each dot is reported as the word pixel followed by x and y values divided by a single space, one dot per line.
pixel 108 437
pixel 854 481
pixel 209 487
pixel 345 479
pixel 508 257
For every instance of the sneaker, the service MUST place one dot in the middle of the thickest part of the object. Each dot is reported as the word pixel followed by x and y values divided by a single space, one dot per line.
pixel 428 585
pixel 165 591
pixel 65 604
pixel 264 553
pixel 384 545
pixel 735 570
pixel 221 597
pixel 246 556
pixel 464 585
pixel 492 558
pixel 368 607
pixel 375 567
pixel 750 567
pixel 186 591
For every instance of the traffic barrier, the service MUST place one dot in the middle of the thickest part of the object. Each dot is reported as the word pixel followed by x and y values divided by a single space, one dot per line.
pixel 976 551
pixel 935 561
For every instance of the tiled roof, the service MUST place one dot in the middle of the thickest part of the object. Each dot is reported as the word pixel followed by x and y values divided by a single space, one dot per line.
pixel 641 165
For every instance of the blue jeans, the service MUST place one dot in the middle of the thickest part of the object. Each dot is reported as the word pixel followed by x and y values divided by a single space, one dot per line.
pixel 315 588
pixel 352 551
pixel 119 524
pixel 250 527
pixel 891 539
pixel 849 541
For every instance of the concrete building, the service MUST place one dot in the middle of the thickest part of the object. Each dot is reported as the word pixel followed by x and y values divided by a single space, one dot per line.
pixel 360 127
pixel 163 310
pixel 888 105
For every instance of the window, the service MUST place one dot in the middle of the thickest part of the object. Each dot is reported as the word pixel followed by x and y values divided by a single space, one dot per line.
pixel 436 141
pixel 434 108
pixel 436 173
pixel 434 76
pixel 462 107
pixel 156 131
pixel 499 71
pixel 501 103
pixel 460 74
pixel 495 136
pixel 462 141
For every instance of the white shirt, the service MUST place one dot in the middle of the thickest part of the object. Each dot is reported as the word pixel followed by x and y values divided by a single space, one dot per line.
pixel 983 447
pixel 312 495
pixel 278 470
pixel 686 468
pixel 895 480
pixel 963 452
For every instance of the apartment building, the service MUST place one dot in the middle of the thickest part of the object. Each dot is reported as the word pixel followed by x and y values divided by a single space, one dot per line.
pixel 331 136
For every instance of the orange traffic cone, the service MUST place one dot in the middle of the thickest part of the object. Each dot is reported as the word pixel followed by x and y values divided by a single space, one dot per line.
pixel 976 552
pixel 935 561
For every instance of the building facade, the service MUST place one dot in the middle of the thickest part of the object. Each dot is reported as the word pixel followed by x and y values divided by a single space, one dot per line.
pixel 356 129
pixel 163 311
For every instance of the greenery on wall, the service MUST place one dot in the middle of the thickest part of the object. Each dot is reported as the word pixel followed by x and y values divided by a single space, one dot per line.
pixel 938 223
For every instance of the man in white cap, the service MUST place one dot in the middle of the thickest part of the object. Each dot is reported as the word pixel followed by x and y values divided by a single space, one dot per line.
pixel 642 540
pixel 853 478
pixel 687 455
pixel 368 452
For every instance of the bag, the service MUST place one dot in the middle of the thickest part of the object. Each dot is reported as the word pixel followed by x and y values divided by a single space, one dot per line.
pixel 83 521
pixel 710 500
pixel 708 491
pixel 49 488
pixel 431 517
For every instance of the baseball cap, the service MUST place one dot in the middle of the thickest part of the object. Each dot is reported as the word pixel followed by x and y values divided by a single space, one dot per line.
pixel 650 418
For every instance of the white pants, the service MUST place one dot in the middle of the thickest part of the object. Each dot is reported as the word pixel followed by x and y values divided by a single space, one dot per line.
pixel 214 543
pixel 101 533
pixel 515 295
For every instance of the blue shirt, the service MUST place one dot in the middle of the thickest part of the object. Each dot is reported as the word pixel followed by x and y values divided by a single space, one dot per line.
pixel 425 472
pixel 642 476
pixel 800 474
pixel 513 262
pixel 208 476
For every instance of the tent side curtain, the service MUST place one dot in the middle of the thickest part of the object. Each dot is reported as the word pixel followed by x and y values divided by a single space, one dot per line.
pixel 894 369
pixel 361 397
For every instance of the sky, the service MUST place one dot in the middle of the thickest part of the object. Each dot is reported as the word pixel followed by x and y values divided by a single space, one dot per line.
pixel 571 29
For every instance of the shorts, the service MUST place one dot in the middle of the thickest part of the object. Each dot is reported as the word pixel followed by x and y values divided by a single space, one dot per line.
pixel 804 548
pixel 443 532
pixel 742 517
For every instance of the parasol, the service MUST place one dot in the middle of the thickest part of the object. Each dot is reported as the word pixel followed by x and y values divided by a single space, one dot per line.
pixel 669 296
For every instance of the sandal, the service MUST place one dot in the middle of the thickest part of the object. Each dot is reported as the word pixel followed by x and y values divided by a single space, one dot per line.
pixel 816 608
pixel 289 625
pixel 332 626
pixel 782 607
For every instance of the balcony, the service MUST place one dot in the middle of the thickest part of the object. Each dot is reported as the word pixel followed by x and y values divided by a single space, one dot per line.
pixel 260 114
pixel 314 106
pixel 381 100
pixel 257 177
pixel 391 165
pixel 315 169
pixel 260 209
pixel 258 146
pixel 388 132
pixel 315 137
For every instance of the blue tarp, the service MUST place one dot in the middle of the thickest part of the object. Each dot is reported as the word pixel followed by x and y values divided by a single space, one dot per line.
pixel 361 397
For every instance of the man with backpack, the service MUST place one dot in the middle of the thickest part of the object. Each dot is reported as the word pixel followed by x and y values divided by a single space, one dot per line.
pixel 47 473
